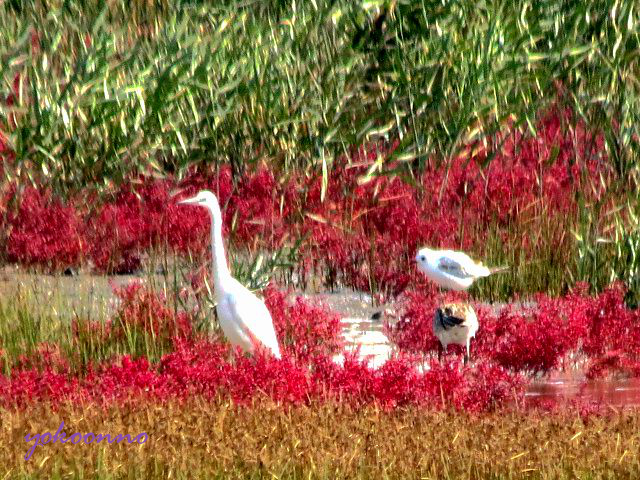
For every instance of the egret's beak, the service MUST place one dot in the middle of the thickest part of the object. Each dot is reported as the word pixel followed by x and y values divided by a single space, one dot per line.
pixel 190 201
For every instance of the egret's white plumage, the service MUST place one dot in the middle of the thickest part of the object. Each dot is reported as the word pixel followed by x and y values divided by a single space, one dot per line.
pixel 455 323
pixel 450 269
pixel 244 318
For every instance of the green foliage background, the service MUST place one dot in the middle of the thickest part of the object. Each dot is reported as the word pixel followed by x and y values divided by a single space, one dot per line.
pixel 112 88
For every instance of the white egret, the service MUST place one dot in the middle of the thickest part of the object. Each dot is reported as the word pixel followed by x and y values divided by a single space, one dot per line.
pixel 452 270
pixel 244 318
pixel 455 323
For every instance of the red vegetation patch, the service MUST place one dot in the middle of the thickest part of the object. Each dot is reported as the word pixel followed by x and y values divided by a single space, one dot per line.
pixel 529 339
pixel 510 343
pixel 117 236
pixel 44 232
pixel 304 331
pixel 539 337
pixel 365 231
pixel 309 335
pixel 202 369
pixel 144 310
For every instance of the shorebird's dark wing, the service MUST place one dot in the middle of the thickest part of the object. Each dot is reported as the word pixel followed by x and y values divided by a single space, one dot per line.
pixel 448 321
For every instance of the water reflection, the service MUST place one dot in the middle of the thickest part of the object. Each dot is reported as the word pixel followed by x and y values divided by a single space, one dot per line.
pixel 622 391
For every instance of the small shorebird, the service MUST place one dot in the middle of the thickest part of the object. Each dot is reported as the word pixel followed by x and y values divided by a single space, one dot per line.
pixel 455 323
pixel 452 270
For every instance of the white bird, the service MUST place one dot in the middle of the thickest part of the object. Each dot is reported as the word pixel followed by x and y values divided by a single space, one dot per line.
pixel 452 270
pixel 455 323
pixel 244 318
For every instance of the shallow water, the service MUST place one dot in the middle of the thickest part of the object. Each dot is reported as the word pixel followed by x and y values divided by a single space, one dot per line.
pixel 64 297
pixel 569 385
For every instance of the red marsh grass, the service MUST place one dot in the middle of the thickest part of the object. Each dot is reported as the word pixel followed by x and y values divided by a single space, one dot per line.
pixel 215 439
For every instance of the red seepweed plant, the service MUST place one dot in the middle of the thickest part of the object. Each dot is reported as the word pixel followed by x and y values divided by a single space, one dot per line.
pixel 45 232
pixel 304 331
pixel 196 366
pixel 511 347
pixel 360 221
pixel 538 337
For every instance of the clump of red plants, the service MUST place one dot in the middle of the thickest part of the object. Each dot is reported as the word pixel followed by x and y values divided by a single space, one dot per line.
pixel 141 316
pixel 197 365
pixel 44 232
pixel 359 220
pixel 539 336
pixel 203 368
pixel 512 344
pixel 142 309
pixel 304 330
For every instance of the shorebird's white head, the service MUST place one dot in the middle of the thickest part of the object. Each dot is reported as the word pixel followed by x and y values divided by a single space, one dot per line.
pixel 422 259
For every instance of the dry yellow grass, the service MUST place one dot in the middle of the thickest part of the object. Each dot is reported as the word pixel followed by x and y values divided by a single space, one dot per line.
pixel 202 439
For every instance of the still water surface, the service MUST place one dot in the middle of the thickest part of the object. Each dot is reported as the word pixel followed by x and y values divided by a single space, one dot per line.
pixel 569 385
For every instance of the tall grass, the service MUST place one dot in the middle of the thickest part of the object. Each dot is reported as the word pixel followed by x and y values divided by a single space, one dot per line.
pixel 110 89
pixel 199 439
pixel 49 329
pixel 608 248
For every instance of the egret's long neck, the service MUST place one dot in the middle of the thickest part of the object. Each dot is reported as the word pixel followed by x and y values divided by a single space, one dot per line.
pixel 221 271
